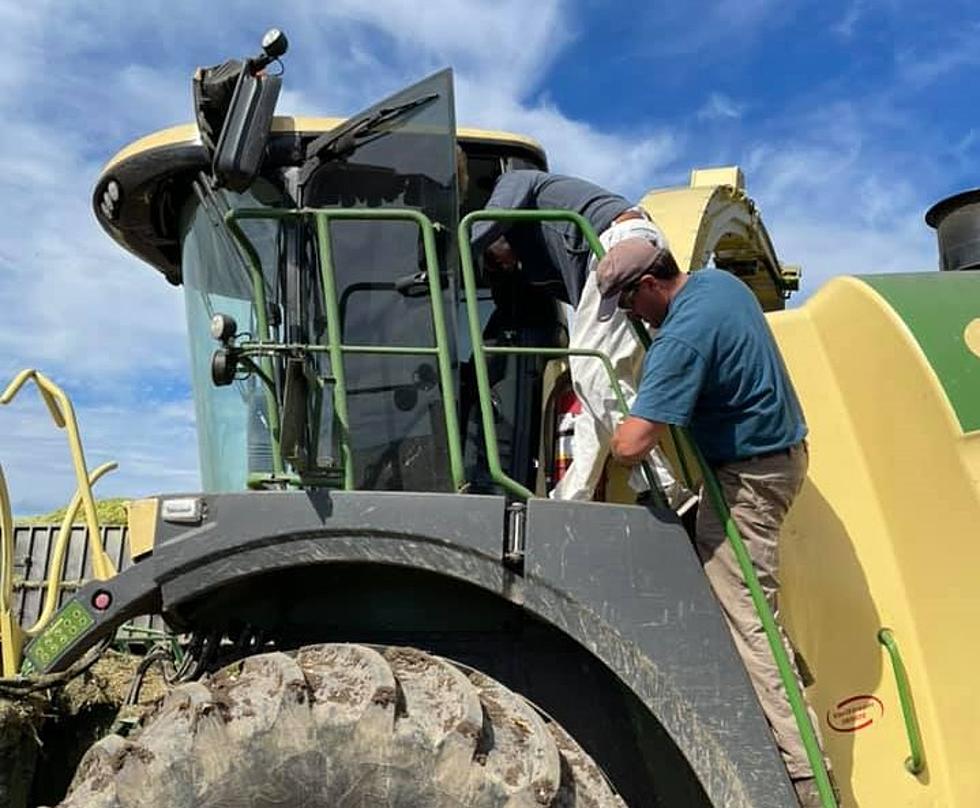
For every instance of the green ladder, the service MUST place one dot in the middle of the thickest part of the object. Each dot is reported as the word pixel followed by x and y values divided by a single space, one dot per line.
pixel 681 439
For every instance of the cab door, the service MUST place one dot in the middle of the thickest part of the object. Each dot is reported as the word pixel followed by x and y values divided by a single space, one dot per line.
pixel 398 153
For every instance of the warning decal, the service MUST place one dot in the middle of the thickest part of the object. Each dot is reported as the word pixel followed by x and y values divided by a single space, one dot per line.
pixel 855 713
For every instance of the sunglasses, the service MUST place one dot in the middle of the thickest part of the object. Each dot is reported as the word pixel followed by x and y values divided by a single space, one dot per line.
pixel 625 302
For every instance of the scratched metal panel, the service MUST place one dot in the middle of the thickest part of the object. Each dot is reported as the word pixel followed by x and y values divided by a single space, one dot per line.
pixel 625 582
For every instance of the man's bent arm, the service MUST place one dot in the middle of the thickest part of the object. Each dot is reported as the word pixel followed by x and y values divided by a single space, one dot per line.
pixel 634 438
pixel 512 192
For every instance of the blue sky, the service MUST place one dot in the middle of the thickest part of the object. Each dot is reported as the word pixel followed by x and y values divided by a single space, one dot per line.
pixel 848 118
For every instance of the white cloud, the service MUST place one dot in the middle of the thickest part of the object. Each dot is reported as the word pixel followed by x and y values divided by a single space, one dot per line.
pixel 82 80
pixel 921 66
pixel 827 247
pixel 74 302
pixel 156 450
pixel 627 162
pixel 720 107
pixel 836 204
pixel 509 41
pixel 846 25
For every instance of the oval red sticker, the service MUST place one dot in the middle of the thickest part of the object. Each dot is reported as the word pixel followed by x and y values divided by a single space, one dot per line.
pixel 854 713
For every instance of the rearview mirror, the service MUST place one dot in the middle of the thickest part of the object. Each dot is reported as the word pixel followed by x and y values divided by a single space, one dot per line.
pixel 241 145
pixel 234 103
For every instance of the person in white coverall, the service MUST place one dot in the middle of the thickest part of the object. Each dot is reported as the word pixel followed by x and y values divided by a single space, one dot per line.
pixel 557 254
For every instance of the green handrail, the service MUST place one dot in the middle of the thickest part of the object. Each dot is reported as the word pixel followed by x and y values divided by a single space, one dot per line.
pixel 335 346
pixel 493 459
pixel 915 763
pixel 497 473
pixel 334 339
pixel 682 440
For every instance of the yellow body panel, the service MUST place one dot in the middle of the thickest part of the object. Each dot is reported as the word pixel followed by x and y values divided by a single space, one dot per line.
pixel 712 218
pixel 884 534
pixel 142 521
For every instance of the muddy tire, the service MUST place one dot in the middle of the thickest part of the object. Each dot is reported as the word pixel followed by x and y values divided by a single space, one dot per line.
pixel 342 726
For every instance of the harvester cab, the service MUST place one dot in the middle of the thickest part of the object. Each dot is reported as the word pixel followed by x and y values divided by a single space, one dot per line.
pixel 339 361
pixel 379 601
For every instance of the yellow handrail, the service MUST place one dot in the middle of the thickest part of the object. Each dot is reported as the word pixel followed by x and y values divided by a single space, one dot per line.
pixel 57 567
pixel 63 415
pixel 11 634
pixel 6 547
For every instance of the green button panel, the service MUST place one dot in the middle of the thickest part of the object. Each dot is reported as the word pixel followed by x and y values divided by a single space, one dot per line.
pixel 68 625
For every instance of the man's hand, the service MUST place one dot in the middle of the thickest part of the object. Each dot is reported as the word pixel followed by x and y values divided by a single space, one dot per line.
pixel 634 438
pixel 500 256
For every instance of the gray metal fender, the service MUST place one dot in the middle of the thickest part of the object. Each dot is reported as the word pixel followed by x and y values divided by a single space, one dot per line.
pixel 623 581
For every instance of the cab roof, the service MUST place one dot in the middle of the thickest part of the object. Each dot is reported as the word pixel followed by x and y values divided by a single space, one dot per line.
pixel 140 191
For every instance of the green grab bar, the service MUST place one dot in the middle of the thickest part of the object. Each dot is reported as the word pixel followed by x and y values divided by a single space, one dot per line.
pixel 335 348
pixel 433 276
pixel 794 694
pixel 555 353
pixel 332 310
pixel 271 348
pixel 915 762
pixel 497 473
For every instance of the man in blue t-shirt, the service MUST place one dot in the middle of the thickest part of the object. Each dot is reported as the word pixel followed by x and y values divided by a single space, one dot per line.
pixel 714 367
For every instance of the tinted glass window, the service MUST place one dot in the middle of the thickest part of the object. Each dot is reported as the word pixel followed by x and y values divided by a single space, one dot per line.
pixel 397 431
pixel 232 422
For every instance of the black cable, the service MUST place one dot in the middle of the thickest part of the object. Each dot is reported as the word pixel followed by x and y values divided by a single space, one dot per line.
pixel 159 654
pixel 16 687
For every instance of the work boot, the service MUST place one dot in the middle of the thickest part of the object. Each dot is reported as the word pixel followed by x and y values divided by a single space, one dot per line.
pixel 809 795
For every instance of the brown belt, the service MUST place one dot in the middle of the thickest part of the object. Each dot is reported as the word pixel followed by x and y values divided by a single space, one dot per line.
pixel 787 452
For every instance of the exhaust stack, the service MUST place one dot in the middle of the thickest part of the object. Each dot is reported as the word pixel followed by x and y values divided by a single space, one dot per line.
pixel 957 223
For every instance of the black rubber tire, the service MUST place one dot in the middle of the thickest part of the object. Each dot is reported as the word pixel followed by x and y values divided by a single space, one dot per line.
pixel 342 726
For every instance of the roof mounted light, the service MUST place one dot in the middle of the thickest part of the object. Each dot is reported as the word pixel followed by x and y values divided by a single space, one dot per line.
pixel 109 201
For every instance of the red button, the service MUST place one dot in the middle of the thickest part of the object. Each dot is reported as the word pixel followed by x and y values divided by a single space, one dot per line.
pixel 102 600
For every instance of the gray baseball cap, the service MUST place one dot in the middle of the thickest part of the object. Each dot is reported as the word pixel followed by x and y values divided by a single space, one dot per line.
pixel 630 259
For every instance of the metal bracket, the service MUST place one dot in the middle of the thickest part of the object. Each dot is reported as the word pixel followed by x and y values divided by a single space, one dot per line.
pixel 514 535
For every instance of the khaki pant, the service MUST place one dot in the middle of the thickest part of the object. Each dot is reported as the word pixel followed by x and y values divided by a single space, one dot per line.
pixel 759 492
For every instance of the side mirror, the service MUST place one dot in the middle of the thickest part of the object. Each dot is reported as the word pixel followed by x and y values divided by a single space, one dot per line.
pixel 234 103
pixel 241 145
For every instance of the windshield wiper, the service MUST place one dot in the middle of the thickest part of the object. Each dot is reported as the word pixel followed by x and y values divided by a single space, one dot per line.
pixel 351 135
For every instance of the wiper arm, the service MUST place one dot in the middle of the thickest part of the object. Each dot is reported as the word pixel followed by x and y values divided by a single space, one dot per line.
pixel 347 137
